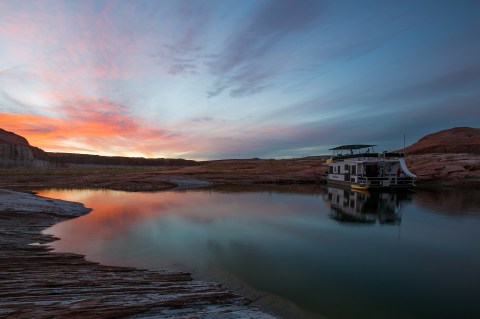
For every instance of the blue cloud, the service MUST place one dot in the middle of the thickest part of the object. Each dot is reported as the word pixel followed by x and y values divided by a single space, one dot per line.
pixel 242 66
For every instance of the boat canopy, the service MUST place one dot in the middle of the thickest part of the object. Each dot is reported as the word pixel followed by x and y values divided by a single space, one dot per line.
pixel 351 147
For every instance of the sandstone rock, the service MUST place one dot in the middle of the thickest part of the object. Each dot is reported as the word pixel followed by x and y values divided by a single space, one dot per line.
pixel 453 168
pixel 36 283
pixel 15 151
pixel 12 138
pixel 446 169
pixel 14 155
pixel 455 140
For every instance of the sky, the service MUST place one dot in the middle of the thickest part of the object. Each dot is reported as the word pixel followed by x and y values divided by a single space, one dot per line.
pixel 236 79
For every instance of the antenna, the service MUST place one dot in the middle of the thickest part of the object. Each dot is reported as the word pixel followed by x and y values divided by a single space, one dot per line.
pixel 403 139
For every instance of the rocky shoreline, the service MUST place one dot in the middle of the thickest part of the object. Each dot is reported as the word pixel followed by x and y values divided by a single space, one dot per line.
pixel 433 170
pixel 38 283
pixel 446 170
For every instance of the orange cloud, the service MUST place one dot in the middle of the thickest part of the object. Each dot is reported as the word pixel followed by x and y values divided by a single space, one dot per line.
pixel 97 127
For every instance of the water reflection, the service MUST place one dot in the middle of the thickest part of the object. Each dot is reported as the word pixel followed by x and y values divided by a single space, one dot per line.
pixel 363 207
pixel 451 201
pixel 285 247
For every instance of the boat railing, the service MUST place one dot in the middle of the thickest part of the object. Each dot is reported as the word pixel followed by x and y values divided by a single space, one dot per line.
pixel 358 155
pixel 378 181
pixel 368 155
pixel 374 181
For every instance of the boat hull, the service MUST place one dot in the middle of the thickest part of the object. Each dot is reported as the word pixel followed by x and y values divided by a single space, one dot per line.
pixel 356 186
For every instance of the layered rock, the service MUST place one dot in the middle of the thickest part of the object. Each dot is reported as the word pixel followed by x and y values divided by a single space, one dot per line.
pixel 12 138
pixel 15 151
pixel 447 158
pixel 446 169
pixel 37 283
pixel 455 140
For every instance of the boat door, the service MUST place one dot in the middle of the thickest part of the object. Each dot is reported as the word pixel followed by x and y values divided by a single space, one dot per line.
pixel 347 172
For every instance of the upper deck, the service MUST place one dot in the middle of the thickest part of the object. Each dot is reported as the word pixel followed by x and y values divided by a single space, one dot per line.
pixel 361 152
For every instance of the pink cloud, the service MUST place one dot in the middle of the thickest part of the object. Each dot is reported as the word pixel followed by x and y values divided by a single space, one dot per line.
pixel 96 127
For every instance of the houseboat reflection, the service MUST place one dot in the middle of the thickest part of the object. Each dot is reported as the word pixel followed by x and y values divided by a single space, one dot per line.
pixel 365 207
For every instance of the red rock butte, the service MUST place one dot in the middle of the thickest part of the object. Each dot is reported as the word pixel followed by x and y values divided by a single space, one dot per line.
pixel 12 138
pixel 454 140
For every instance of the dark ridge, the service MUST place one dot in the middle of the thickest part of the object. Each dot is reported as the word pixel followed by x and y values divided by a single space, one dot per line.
pixel 15 151
pixel 87 159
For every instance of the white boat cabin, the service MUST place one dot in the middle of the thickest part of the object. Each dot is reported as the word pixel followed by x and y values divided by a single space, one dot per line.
pixel 362 168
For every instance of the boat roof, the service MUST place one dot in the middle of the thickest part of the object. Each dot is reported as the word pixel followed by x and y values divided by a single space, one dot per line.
pixel 351 147
pixel 373 160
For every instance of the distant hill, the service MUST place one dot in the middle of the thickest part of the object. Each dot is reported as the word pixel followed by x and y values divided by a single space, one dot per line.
pixel 454 140
pixel 15 151
pixel 72 159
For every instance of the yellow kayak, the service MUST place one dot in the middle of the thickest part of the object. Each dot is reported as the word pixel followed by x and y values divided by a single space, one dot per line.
pixel 359 187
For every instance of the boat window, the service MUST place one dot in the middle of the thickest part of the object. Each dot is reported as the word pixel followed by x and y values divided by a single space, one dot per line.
pixel 346 167
pixel 354 169
pixel 330 169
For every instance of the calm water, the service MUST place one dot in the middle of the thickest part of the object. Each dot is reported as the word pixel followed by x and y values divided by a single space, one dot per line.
pixel 303 252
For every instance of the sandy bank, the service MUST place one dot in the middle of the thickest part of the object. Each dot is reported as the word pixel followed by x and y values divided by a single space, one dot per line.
pixel 37 283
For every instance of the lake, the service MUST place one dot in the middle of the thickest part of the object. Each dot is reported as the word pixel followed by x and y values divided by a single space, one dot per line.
pixel 299 251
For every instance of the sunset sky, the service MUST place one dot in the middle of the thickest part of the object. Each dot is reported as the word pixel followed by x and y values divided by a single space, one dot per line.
pixel 236 79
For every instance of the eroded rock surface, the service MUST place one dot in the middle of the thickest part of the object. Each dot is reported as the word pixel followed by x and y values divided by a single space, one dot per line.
pixel 455 140
pixel 16 152
pixel 36 283
pixel 446 169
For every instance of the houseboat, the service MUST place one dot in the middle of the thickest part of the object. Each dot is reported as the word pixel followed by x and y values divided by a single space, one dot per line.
pixel 361 168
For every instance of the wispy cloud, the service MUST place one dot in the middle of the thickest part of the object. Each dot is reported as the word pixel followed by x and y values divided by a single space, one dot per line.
pixel 234 78
pixel 95 126
pixel 242 66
